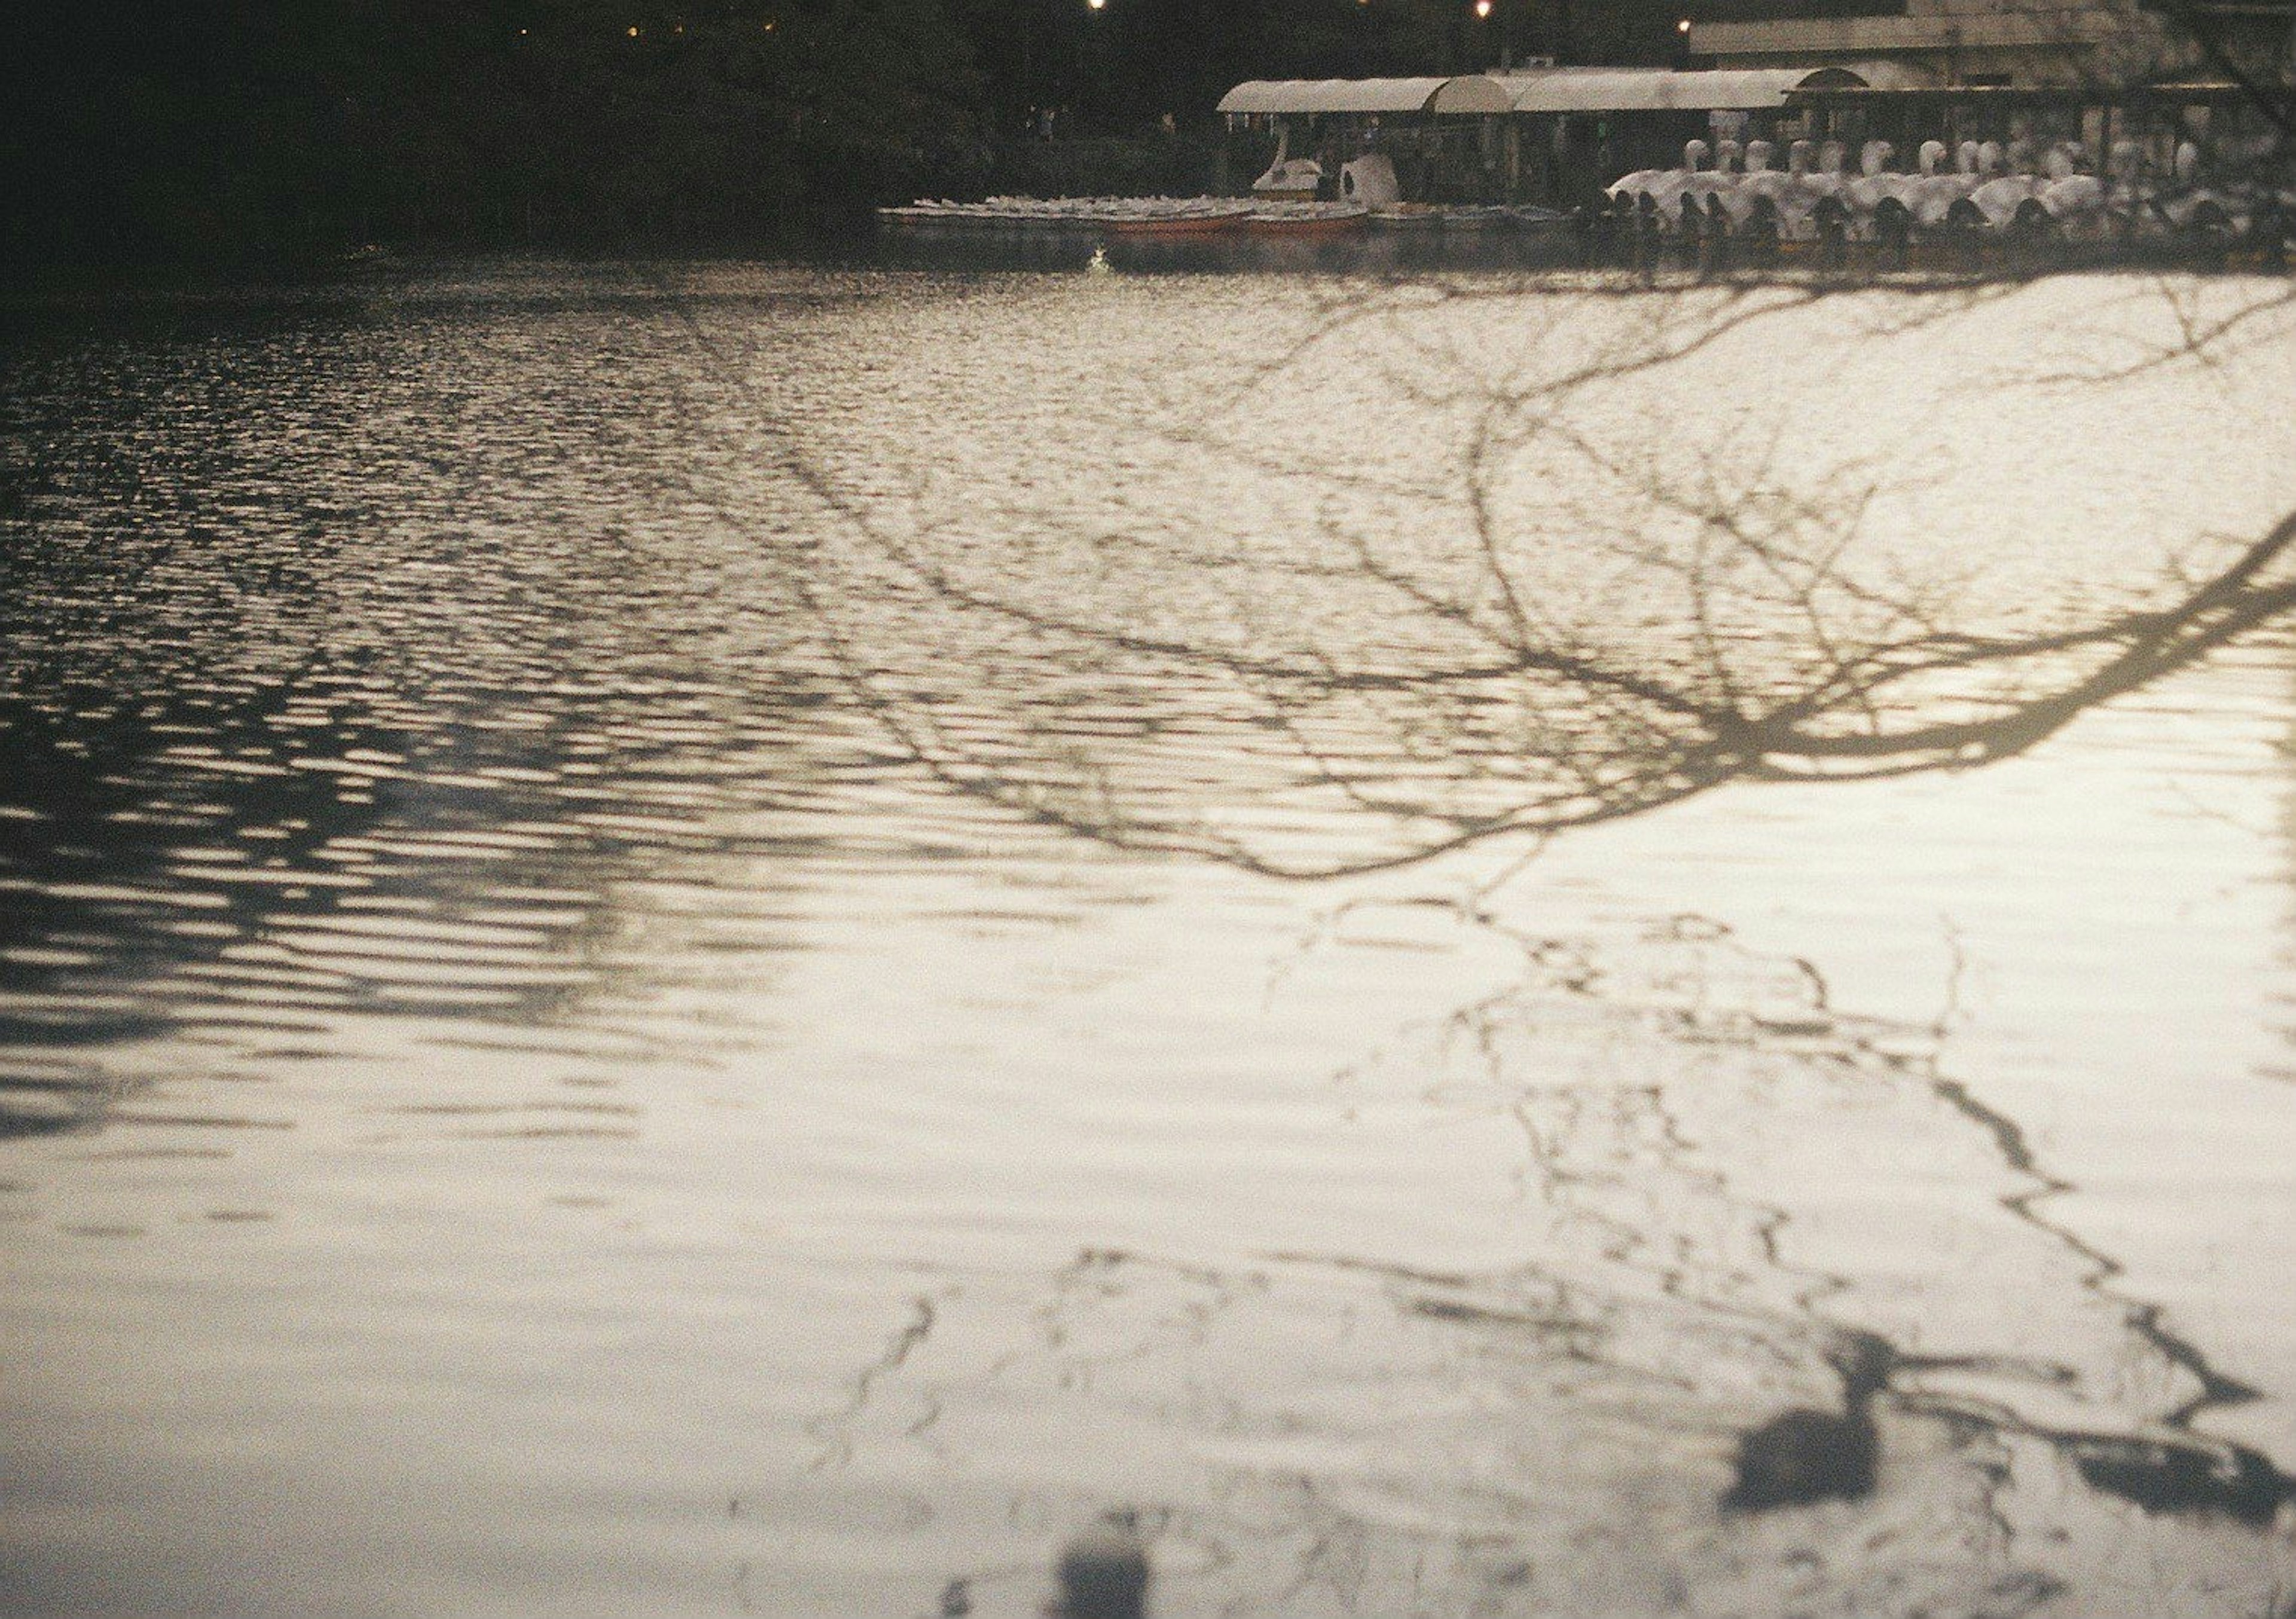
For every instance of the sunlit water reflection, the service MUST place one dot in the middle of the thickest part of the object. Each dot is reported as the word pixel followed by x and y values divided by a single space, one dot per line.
pixel 520 1095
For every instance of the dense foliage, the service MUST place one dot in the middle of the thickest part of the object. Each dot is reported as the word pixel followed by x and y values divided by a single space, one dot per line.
pixel 231 128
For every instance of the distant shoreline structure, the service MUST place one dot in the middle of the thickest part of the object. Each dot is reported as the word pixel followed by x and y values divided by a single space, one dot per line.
pixel 1621 232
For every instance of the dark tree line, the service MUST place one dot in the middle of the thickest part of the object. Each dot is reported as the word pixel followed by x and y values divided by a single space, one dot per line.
pixel 220 128
pixel 225 127
pixel 1136 60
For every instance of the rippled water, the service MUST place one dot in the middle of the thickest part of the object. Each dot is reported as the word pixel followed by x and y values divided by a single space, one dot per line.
pixel 560 1049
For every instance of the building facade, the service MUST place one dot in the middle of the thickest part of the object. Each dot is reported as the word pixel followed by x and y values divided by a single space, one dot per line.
pixel 2004 43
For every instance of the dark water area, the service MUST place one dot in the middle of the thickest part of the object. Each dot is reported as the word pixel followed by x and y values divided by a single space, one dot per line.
pixel 639 974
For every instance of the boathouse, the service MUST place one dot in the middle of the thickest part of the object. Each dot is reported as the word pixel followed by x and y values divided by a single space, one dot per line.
pixel 2095 75
pixel 1557 136
pixel 1552 136
pixel 2004 43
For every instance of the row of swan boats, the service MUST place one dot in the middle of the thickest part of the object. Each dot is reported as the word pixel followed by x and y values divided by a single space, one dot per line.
pixel 1985 188
pixel 1975 190
pixel 1189 218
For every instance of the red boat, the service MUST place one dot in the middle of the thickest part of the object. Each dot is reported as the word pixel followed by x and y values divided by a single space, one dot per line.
pixel 1174 225
pixel 1305 219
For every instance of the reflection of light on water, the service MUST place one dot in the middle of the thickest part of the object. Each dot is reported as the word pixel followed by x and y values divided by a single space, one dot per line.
pixel 568 973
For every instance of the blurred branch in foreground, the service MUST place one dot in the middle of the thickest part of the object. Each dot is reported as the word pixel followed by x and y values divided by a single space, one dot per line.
pixel 1518 561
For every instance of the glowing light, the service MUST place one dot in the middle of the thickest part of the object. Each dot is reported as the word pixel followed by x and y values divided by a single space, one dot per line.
pixel 634 30
pixel 1482 8
pixel 1096 5
pixel 1683 27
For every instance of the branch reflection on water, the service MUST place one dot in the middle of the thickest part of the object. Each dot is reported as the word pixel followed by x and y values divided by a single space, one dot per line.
pixel 1440 602
pixel 1726 1190
pixel 1522 563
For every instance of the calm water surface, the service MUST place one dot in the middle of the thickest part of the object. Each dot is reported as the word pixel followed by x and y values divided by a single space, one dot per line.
pixel 520 1093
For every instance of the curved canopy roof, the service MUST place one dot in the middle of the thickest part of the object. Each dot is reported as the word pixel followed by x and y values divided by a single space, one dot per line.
pixel 1483 92
pixel 1333 96
pixel 1555 90
pixel 1655 89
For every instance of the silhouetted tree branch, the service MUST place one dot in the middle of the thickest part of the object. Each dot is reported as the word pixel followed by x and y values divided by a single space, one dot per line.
pixel 1539 623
